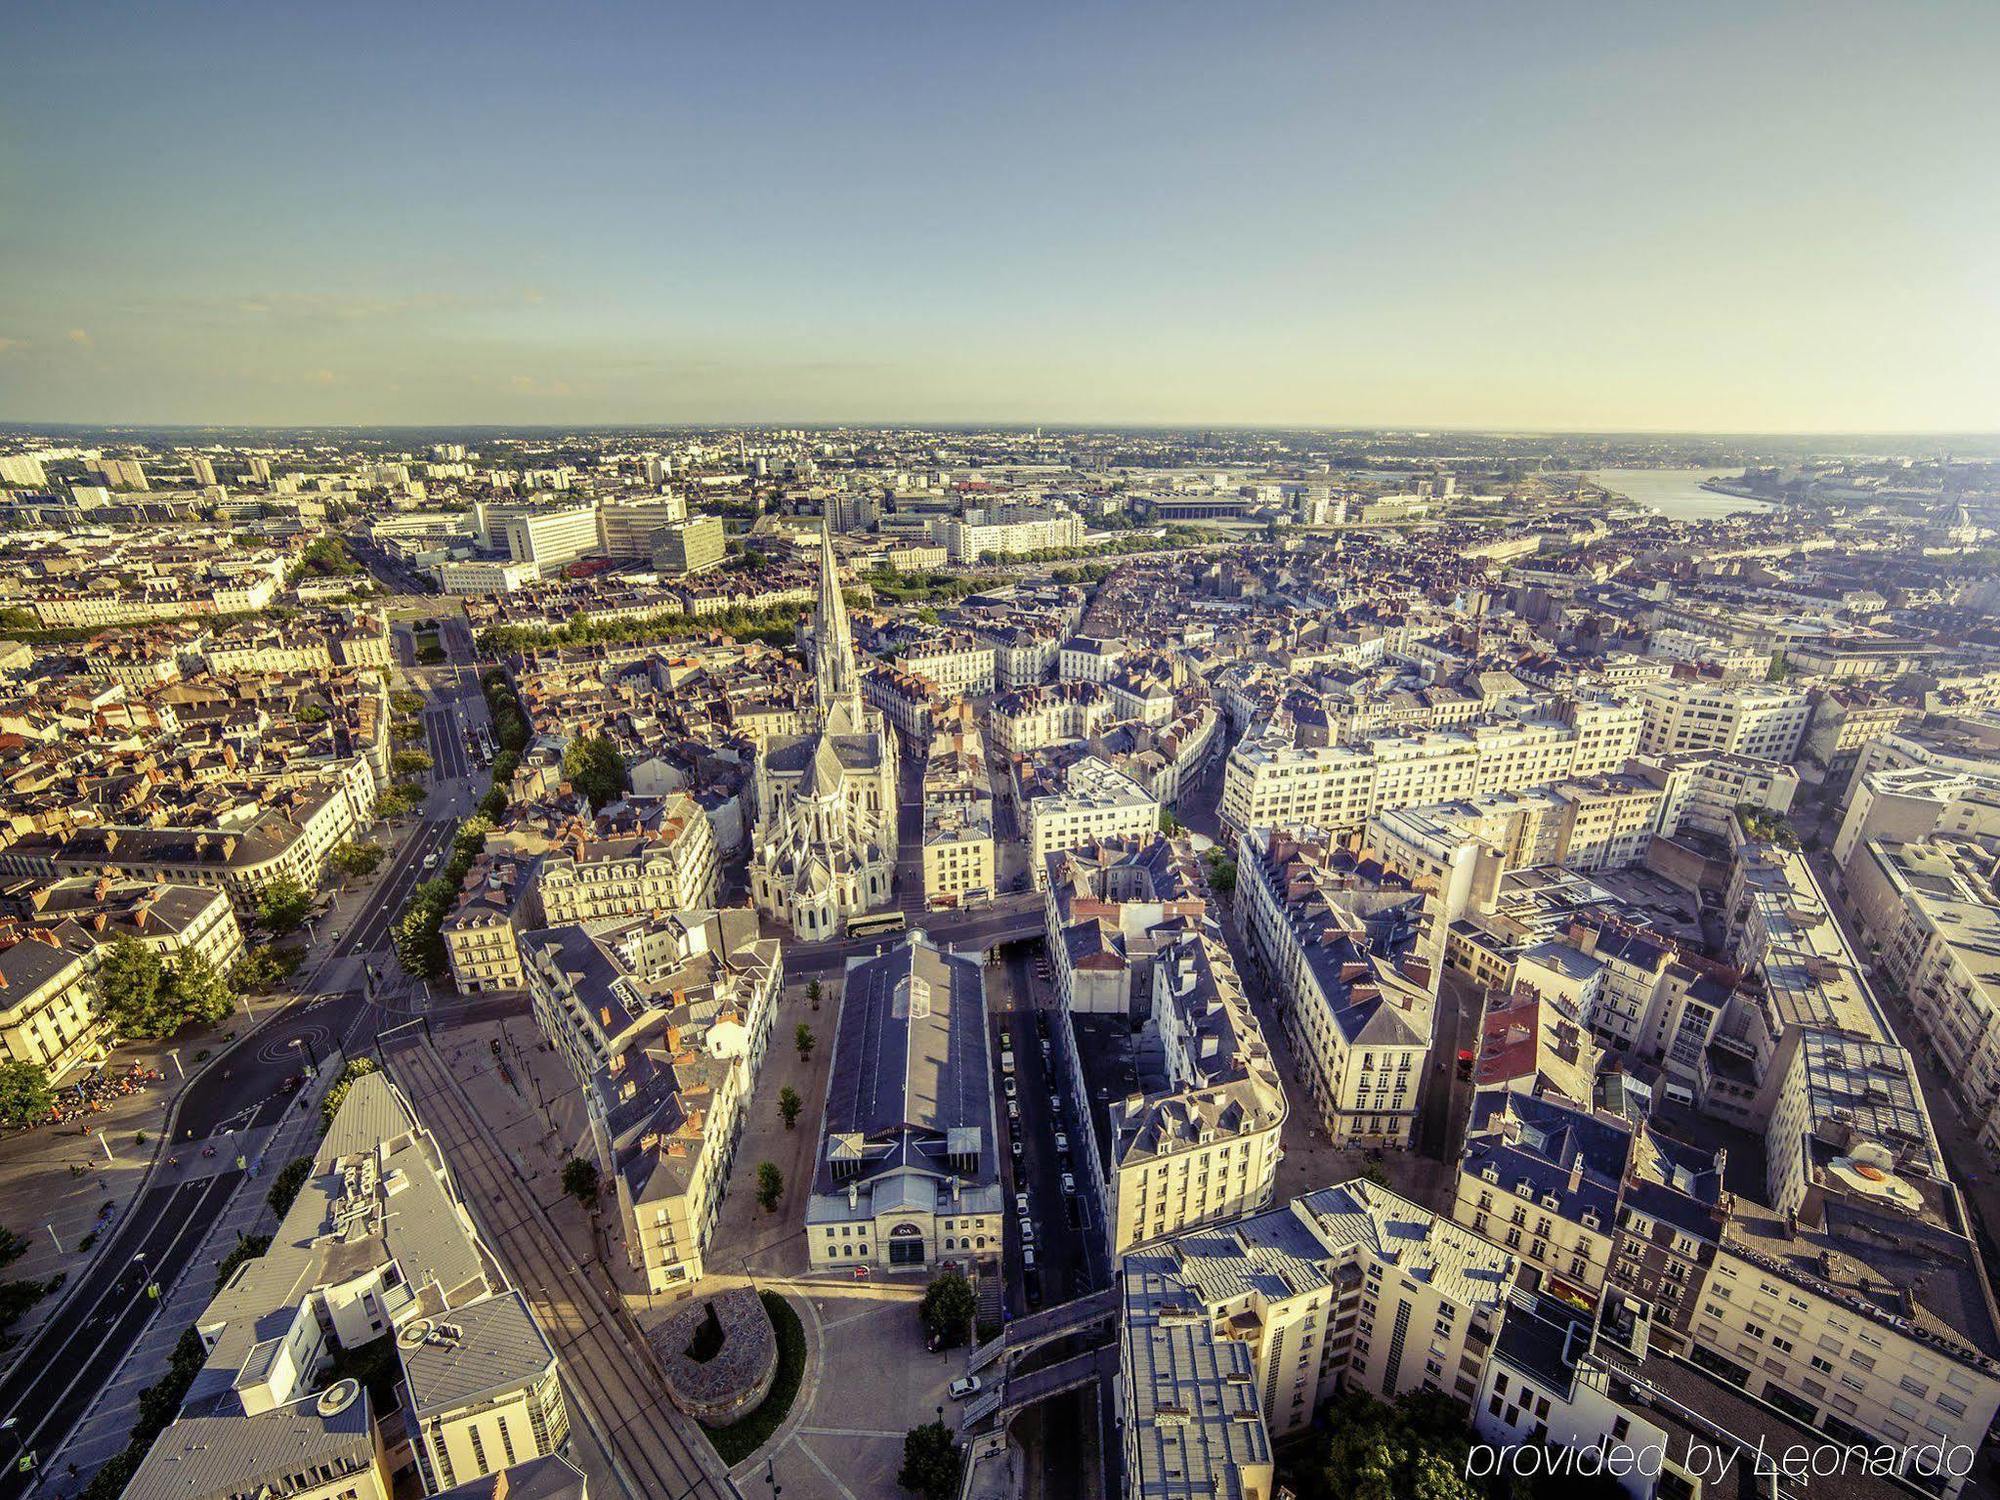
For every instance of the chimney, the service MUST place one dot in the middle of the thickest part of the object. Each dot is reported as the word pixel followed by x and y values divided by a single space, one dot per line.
pixel 1576 1171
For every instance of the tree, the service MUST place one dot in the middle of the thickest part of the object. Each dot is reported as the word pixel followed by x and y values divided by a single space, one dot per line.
pixel 24 1092
pixel 805 1041
pixel 931 1462
pixel 283 904
pixel 285 1186
pixel 596 769
pixel 579 1180
pixel 130 977
pixel 948 1309
pixel 356 860
pixel 789 1105
pixel 770 1185
pixel 1169 824
pixel 201 993
pixel 813 993
pixel 357 1067
pixel 409 763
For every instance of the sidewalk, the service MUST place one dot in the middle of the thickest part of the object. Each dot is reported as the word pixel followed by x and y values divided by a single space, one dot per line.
pixel 747 1241
pixel 107 1425
pixel 46 1201
pixel 41 1192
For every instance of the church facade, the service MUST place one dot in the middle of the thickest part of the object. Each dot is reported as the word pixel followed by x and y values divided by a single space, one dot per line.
pixel 824 849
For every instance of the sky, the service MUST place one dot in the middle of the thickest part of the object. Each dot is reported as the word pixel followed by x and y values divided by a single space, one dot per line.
pixel 1590 215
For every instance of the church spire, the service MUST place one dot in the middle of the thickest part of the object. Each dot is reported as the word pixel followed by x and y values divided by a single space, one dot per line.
pixel 836 682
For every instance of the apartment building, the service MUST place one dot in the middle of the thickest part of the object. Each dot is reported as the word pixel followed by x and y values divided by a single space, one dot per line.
pixel 1352 952
pixel 90 911
pixel 1203 1148
pixel 1460 850
pixel 1912 803
pixel 960 664
pixel 1272 779
pixel 48 1004
pixel 687 547
pixel 1256 1324
pixel 665 1022
pixel 908 1169
pixel 289 837
pixel 477 575
pixel 1089 658
pixel 550 538
pixel 1112 906
pixel 627 529
pixel 1760 720
pixel 1541 1177
pixel 482 930
pixel 670 865
pixel 1701 790
pixel 973 537
pixel 1928 911
pixel 1085 802
pixel 376 1243
pixel 958 844
pixel 1030 718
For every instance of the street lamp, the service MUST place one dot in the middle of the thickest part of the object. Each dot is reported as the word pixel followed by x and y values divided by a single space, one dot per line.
pixel 312 1058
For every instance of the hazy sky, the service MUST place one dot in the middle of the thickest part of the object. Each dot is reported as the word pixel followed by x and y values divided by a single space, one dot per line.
pixel 1591 214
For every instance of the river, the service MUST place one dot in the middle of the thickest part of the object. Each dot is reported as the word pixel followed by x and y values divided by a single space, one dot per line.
pixel 1675 493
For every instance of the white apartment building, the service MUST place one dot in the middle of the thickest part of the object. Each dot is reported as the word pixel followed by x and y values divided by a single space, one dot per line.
pixel 486 576
pixel 1029 718
pixel 665 1022
pixel 48 1006
pixel 1093 802
pixel 968 540
pixel 552 537
pixel 1204 1150
pixel 1089 658
pixel 958 664
pixel 1355 963
pixel 1347 1286
pixel 1271 780
pixel 669 867
pixel 1761 720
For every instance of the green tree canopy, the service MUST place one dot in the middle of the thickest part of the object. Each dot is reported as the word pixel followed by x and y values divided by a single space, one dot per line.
pixel 283 904
pixel 24 1092
pixel 948 1309
pixel 931 1462
pixel 596 769
pixel 770 1185
pixel 580 1180
pixel 357 1067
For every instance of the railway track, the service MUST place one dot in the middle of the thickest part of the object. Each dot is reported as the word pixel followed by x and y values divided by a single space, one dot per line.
pixel 655 1458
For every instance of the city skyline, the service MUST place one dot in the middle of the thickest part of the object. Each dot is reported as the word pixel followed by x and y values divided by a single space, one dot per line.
pixel 1350 218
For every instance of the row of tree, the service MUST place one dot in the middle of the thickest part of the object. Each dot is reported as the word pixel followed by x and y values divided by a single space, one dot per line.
pixel 776 625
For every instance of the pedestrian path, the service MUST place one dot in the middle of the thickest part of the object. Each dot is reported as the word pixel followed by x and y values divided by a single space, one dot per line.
pixel 107 1425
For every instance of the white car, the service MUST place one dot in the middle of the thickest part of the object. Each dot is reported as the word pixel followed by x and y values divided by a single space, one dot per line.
pixel 1021 1204
pixel 1028 1256
pixel 965 1385
pixel 1013 1109
pixel 1008 1085
pixel 1062 1141
pixel 1069 1184
pixel 1027 1231
pixel 1007 1062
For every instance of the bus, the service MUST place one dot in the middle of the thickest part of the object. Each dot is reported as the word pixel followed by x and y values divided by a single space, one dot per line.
pixel 875 924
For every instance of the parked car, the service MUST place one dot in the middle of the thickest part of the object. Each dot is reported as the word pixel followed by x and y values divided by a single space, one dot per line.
pixel 1006 1062
pixel 1031 1283
pixel 1027 1231
pixel 1007 1084
pixel 1013 1109
pixel 964 1386
pixel 1021 1204
pixel 1015 1145
pixel 1028 1256
pixel 1068 1184
pixel 1062 1141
